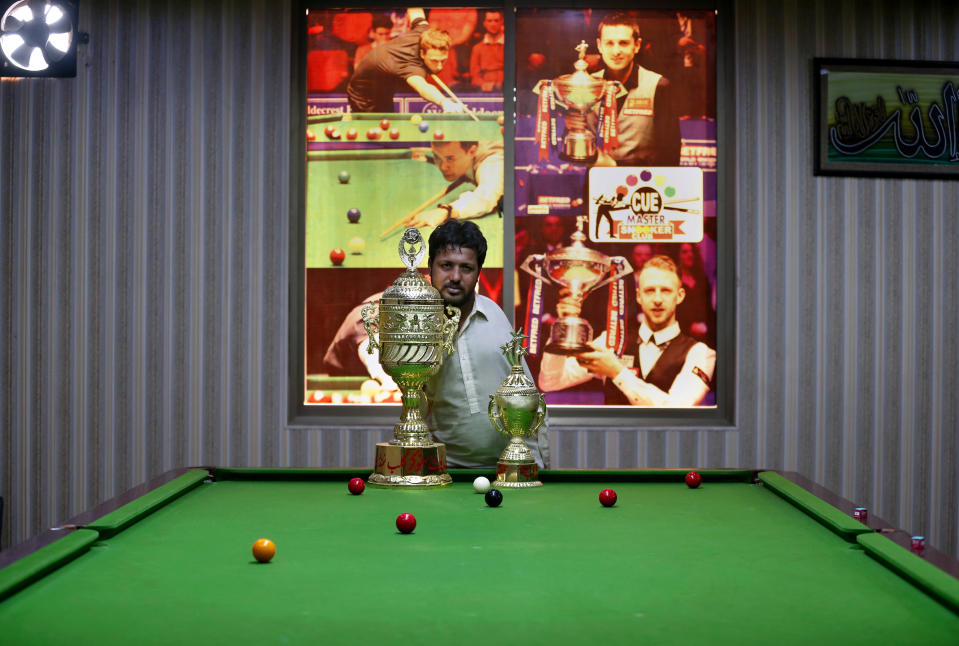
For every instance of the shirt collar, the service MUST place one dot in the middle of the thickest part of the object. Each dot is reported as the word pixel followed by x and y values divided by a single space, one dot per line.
pixel 660 337
pixel 632 81
pixel 499 40
pixel 480 308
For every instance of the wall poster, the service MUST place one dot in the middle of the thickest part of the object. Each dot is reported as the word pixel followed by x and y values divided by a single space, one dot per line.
pixel 613 186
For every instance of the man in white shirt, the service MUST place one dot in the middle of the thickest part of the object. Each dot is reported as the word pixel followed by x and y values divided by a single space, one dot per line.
pixel 478 162
pixel 674 370
pixel 459 393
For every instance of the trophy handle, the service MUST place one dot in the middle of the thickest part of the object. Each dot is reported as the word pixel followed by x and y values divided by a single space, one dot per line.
pixel 369 315
pixel 450 327
pixel 624 268
pixel 533 265
pixel 494 416
pixel 540 415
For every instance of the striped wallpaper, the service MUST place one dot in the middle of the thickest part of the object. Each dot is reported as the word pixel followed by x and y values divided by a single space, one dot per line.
pixel 144 248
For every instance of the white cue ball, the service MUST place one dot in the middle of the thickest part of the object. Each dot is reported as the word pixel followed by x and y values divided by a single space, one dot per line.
pixel 481 485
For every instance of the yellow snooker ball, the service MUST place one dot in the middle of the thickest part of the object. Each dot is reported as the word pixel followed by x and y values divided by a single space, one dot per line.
pixel 357 245
pixel 416 118
pixel 370 387
pixel 263 550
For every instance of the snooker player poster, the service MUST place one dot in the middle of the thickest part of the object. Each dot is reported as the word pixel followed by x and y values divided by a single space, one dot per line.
pixel 615 199
pixel 384 153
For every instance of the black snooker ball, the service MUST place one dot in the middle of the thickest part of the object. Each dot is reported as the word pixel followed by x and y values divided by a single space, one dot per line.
pixel 494 497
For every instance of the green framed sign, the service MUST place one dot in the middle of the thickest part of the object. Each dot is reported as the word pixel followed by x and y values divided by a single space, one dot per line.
pixel 886 118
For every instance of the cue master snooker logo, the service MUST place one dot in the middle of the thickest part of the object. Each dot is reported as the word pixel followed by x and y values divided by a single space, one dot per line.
pixel 645 204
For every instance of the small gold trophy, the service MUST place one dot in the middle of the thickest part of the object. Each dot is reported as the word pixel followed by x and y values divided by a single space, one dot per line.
pixel 516 410
pixel 415 329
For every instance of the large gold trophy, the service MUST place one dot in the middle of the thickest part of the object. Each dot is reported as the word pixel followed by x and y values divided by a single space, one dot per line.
pixel 578 270
pixel 516 410
pixel 415 329
pixel 578 93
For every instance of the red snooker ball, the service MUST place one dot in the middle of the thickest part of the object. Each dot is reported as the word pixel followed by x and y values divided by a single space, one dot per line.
pixel 693 479
pixel 385 124
pixel 351 133
pixel 328 130
pixel 372 133
pixel 337 256
pixel 394 134
pixel 437 134
pixel 356 486
pixel 607 497
pixel 406 523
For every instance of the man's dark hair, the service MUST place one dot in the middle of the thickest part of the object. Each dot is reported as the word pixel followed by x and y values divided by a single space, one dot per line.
pixel 456 234
pixel 465 145
pixel 381 22
pixel 620 18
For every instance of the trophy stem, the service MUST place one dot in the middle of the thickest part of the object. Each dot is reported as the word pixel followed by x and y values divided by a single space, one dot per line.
pixel 411 430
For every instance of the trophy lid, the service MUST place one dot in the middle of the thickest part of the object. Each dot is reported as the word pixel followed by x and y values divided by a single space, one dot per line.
pixel 410 285
pixel 579 87
pixel 577 251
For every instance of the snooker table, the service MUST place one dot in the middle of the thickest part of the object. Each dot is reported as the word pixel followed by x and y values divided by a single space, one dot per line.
pixel 455 127
pixel 385 184
pixel 748 557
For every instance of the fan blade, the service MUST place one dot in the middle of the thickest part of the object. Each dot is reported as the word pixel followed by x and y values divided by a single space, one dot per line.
pixel 11 25
pixel 37 6
pixel 51 54
pixel 21 55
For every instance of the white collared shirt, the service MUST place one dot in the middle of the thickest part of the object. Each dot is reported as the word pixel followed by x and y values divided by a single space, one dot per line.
pixel 459 392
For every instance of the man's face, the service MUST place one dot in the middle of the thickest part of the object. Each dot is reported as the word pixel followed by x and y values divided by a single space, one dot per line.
pixel 454 272
pixel 552 229
pixel 493 23
pixel 434 59
pixel 380 34
pixel 617 47
pixel 452 160
pixel 660 292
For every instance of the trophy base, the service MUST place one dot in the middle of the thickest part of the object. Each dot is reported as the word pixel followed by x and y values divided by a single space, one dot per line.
pixel 567 348
pixel 579 148
pixel 570 335
pixel 575 159
pixel 511 475
pixel 410 466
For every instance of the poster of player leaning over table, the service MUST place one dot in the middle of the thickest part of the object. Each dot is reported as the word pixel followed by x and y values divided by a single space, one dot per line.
pixel 615 219
pixel 404 129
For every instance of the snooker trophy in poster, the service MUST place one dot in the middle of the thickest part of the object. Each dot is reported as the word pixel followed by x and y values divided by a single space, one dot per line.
pixel 578 93
pixel 415 330
pixel 577 270
pixel 516 410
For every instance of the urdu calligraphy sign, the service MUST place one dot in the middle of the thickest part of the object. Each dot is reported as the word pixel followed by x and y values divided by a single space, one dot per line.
pixel 890 118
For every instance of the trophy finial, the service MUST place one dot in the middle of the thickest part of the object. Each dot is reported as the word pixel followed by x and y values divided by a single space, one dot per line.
pixel 514 348
pixel 581 65
pixel 578 236
pixel 411 248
